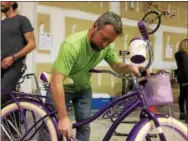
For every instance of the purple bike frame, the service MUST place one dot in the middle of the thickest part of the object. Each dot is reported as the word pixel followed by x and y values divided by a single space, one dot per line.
pixel 48 107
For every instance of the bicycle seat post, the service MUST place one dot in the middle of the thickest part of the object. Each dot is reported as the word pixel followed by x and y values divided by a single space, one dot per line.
pixel 123 54
pixel 124 82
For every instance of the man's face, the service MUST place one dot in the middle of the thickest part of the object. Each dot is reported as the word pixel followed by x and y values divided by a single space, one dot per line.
pixel 5 6
pixel 101 38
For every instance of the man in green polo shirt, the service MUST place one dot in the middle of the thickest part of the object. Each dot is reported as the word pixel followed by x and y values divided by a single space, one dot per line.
pixel 79 53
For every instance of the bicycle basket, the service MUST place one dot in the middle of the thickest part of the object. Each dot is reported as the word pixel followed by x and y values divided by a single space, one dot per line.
pixel 158 91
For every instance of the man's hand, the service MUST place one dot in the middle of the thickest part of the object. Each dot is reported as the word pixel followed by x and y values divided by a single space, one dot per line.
pixel 7 62
pixel 136 71
pixel 123 68
pixel 65 127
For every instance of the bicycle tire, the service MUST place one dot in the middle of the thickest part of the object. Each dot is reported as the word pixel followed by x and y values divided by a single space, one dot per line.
pixel 143 129
pixel 36 109
pixel 158 17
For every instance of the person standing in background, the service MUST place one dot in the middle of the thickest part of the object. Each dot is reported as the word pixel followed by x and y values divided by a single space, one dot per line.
pixel 182 75
pixel 17 40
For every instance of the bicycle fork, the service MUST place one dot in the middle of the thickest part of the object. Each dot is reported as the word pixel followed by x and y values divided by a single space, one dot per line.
pixel 153 117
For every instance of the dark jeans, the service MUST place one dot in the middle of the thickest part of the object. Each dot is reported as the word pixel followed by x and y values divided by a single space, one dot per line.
pixel 82 107
pixel 183 99
pixel 10 77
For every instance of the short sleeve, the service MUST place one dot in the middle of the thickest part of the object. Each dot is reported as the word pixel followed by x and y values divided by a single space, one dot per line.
pixel 26 25
pixel 66 59
pixel 111 56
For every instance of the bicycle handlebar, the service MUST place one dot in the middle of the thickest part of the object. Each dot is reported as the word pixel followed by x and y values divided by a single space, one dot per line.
pixel 122 76
pixel 145 37
pixel 141 80
pixel 29 74
pixel 26 76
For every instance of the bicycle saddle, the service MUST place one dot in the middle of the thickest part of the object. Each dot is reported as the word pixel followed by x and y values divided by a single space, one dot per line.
pixel 46 77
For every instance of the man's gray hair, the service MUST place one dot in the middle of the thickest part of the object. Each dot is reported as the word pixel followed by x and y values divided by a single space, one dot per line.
pixel 112 19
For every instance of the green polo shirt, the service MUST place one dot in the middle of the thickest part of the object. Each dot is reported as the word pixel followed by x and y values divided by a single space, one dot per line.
pixel 76 58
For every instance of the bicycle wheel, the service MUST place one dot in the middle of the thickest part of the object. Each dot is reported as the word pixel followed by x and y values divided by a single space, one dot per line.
pixel 173 130
pixel 152 20
pixel 13 127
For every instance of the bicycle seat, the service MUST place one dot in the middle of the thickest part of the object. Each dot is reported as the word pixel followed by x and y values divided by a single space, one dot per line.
pixel 46 77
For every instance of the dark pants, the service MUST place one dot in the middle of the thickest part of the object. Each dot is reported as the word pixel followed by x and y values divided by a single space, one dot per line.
pixel 10 77
pixel 183 99
pixel 82 106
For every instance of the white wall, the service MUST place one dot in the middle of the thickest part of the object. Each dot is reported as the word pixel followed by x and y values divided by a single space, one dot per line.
pixel 29 9
pixel 58 31
pixel 57 22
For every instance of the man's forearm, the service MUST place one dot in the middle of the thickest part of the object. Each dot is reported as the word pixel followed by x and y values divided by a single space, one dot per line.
pixel 59 98
pixel 28 48
pixel 121 68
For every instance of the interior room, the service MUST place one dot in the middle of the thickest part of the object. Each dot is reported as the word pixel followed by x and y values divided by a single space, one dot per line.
pixel 157 27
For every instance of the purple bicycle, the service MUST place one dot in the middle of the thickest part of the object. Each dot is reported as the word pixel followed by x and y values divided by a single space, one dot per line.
pixel 37 111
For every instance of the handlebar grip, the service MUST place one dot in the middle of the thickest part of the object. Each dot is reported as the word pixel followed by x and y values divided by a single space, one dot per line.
pixel 143 72
pixel 95 71
pixel 143 30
